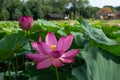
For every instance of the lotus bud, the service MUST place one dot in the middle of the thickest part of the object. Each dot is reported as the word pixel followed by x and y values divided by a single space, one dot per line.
pixel 26 22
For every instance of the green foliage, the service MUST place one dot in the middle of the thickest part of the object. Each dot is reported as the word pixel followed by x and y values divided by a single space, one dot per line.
pixel 47 25
pixel 101 40
pixel 98 60
pixel 101 55
pixel 100 65
pixel 97 34
pixel 16 14
pixel 39 74
pixel 11 44
pixel 38 8
pixel 26 11
pixel 8 27
pixel 112 32
pixel 4 14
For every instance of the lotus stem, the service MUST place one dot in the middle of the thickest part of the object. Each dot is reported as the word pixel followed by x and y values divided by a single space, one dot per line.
pixel 57 74
pixel 9 70
pixel 16 69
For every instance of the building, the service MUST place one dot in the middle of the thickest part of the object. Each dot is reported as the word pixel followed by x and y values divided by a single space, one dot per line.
pixel 54 16
pixel 118 15
pixel 107 15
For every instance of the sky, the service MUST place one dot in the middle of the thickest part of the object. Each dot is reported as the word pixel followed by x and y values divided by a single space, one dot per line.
pixel 101 3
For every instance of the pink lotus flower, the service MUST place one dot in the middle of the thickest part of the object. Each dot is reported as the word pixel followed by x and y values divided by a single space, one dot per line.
pixel 26 22
pixel 53 52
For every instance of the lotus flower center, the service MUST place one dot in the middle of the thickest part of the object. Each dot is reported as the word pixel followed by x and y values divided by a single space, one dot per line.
pixel 53 47
pixel 55 54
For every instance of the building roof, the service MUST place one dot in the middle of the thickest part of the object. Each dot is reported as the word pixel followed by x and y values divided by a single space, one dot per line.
pixel 53 16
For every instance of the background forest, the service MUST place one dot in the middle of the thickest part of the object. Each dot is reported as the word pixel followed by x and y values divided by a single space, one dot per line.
pixel 13 9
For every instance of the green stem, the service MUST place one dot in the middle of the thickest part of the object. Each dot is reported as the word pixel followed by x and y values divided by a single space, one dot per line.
pixel 30 45
pixel 27 32
pixel 16 64
pixel 4 75
pixel 29 40
pixel 9 71
pixel 57 74
pixel 15 71
pixel 27 36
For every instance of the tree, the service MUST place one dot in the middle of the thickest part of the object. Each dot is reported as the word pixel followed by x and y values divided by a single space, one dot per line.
pixel 4 14
pixel 95 12
pixel 117 8
pixel 5 3
pixel 106 10
pixel 59 5
pixel 78 7
pixel 15 7
pixel 39 8
pixel 16 14
pixel 26 11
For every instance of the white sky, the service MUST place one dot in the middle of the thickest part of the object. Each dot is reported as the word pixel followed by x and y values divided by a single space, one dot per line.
pixel 101 3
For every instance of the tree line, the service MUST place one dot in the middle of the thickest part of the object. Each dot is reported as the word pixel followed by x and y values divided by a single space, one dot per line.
pixel 13 9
